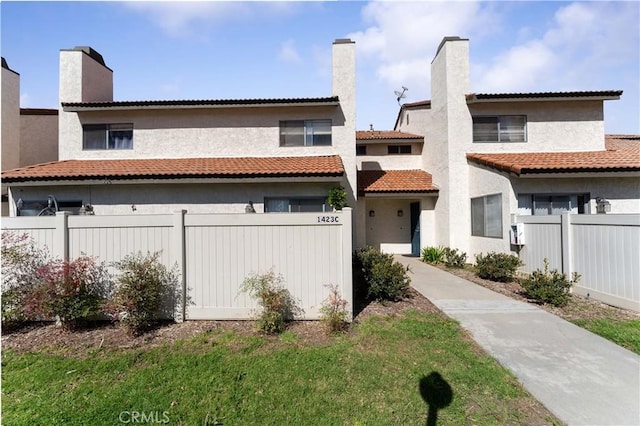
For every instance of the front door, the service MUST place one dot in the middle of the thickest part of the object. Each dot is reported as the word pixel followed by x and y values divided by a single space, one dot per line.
pixel 415 229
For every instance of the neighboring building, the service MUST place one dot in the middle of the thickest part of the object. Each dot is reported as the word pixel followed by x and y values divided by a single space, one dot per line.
pixel 494 155
pixel 29 135
pixel 206 156
pixel 451 173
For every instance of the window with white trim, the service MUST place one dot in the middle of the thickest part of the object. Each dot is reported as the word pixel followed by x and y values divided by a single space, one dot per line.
pixel 549 204
pixel 107 136
pixel 398 149
pixel 500 129
pixel 296 205
pixel 305 133
pixel 486 216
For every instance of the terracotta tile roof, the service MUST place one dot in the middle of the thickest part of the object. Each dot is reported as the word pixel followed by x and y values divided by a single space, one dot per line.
pixel 246 167
pixel 606 94
pixel 622 154
pixel 197 103
pixel 363 135
pixel 376 181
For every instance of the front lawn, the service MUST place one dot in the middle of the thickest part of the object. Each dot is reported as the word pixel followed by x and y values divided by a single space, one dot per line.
pixel 381 372
pixel 625 333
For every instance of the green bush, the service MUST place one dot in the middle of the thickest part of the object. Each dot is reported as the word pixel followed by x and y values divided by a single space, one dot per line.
pixel 278 306
pixel 499 267
pixel 337 197
pixel 433 255
pixel 378 276
pixel 334 311
pixel 21 260
pixel 73 291
pixel 454 259
pixel 146 290
pixel 550 287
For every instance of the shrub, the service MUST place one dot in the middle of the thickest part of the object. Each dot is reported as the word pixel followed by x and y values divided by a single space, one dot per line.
pixel 433 255
pixel 378 276
pixel 337 197
pixel 144 287
pixel 278 306
pixel 334 310
pixel 550 287
pixel 500 267
pixel 71 290
pixel 454 259
pixel 21 260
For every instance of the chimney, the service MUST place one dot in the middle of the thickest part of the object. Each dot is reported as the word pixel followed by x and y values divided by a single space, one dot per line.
pixel 10 120
pixel 84 76
pixel 344 76
pixel 450 72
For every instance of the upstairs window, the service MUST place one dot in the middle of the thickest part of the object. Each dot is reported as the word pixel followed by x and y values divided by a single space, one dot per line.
pixel 305 133
pixel 501 129
pixel 399 149
pixel 361 150
pixel 107 136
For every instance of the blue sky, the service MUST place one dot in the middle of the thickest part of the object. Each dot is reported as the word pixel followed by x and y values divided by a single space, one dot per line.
pixel 217 50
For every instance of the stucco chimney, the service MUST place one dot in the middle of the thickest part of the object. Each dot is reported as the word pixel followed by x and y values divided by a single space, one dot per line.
pixel 84 76
pixel 10 121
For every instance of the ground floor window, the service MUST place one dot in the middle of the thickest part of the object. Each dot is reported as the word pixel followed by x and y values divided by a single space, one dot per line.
pixel 296 205
pixel 549 204
pixel 486 216
pixel 46 207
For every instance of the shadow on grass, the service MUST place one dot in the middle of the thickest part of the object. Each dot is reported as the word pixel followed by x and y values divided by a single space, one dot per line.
pixel 437 393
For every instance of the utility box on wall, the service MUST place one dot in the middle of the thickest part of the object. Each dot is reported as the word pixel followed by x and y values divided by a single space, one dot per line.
pixel 516 233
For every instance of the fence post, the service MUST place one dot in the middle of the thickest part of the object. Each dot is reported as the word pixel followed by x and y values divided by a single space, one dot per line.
pixel 347 255
pixel 565 238
pixel 61 236
pixel 179 255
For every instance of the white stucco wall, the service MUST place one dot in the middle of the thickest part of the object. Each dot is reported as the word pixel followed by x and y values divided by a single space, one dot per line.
pixel 117 199
pixel 377 158
pixel 10 119
pixel 386 230
pixel 551 126
pixel 38 139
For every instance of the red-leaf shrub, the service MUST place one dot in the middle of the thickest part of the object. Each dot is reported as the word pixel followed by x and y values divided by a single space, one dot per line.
pixel 72 291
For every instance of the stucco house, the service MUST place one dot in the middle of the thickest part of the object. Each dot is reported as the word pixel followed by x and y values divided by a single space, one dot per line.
pixel 451 172
pixel 29 135
pixel 205 156
pixel 465 162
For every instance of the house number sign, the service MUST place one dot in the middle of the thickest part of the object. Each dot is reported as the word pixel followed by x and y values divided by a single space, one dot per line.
pixel 328 219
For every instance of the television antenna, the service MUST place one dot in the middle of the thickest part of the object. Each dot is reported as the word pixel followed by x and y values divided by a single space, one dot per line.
pixel 401 95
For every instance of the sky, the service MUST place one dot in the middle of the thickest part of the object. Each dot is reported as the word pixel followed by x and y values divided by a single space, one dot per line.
pixel 237 50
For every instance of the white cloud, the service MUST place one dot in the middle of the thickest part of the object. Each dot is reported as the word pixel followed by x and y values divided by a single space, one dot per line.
pixel 583 44
pixel 190 18
pixel 25 100
pixel 402 37
pixel 288 53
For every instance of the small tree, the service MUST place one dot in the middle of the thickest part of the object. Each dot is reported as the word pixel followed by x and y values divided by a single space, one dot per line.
pixel 144 287
pixel 278 306
pixel 334 310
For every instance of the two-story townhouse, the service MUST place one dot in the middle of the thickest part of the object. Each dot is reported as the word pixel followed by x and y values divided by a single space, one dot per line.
pixel 213 156
pixel 494 155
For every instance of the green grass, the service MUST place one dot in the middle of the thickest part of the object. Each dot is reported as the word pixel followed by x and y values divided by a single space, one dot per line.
pixel 625 333
pixel 371 376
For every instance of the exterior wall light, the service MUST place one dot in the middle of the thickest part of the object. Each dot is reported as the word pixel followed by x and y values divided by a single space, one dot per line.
pixel 400 213
pixel 372 213
pixel 602 206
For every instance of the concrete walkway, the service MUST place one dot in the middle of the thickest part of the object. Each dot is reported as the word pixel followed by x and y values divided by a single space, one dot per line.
pixel 581 378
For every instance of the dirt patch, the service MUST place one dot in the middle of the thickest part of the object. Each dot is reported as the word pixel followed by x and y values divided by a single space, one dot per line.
pixel 38 336
pixel 579 307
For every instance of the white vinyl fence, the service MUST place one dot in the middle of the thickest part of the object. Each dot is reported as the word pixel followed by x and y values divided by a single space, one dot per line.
pixel 603 249
pixel 214 253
